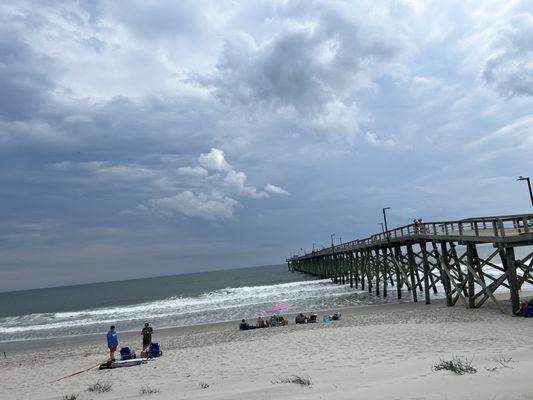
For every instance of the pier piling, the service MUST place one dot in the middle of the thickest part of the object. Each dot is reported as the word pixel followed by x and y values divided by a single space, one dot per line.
pixel 425 256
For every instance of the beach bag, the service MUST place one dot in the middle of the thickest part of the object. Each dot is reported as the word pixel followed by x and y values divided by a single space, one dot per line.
pixel 526 311
pixel 154 350
pixel 126 353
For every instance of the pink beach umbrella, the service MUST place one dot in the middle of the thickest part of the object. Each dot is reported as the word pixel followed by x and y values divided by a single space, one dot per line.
pixel 277 307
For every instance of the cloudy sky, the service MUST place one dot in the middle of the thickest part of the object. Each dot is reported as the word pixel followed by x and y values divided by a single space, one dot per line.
pixel 150 138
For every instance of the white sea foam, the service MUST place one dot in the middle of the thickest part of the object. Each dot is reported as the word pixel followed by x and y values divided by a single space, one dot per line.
pixel 226 303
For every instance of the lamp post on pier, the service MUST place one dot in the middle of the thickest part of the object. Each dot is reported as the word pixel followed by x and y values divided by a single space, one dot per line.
pixel 385 220
pixel 526 178
pixel 382 227
pixel 314 247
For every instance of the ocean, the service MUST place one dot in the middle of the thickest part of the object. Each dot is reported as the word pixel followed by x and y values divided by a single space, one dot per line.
pixel 169 301
pixel 180 300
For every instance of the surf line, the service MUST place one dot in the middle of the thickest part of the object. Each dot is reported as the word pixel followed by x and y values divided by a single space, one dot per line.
pixel 75 373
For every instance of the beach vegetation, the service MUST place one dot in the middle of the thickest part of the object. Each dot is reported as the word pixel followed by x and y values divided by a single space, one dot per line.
pixel 501 362
pixel 100 387
pixel 147 389
pixel 204 385
pixel 303 380
pixel 72 396
pixel 458 365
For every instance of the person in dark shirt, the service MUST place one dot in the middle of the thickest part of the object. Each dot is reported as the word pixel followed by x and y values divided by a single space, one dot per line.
pixel 244 325
pixel 147 335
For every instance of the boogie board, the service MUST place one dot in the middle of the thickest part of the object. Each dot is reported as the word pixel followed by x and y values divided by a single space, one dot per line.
pixel 123 363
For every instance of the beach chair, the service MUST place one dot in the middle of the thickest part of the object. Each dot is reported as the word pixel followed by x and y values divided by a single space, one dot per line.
pixel 154 350
pixel 126 353
pixel 312 319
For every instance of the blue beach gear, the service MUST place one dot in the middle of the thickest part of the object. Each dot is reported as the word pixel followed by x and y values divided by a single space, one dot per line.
pixel 112 339
pixel 154 350
pixel 126 353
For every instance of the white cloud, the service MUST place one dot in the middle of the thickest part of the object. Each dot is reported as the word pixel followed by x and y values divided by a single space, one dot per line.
pixel 193 171
pixel 509 68
pixel 211 207
pixel 214 160
pixel 269 188
pixel 372 139
pixel 237 181
pixel 423 84
pixel 212 198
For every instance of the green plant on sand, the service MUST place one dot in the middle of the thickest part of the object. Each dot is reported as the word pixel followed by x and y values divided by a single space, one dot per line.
pixel 458 365
pixel 303 380
pixel 146 389
pixel 100 387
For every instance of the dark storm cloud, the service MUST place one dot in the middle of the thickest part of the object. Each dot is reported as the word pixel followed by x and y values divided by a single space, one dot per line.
pixel 25 82
pixel 188 135
pixel 324 55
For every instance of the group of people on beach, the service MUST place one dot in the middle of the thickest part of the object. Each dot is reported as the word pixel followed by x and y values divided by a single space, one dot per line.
pixel 112 339
pixel 279 320
pixel 274 320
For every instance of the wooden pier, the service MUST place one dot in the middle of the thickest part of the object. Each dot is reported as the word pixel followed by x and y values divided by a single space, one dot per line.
pixel 425 257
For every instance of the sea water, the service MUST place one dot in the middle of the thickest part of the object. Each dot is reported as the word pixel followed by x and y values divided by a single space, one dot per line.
pixel 169 301
pixel 182 300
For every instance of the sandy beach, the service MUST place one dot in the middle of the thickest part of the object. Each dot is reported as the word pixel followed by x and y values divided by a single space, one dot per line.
pixel 375 352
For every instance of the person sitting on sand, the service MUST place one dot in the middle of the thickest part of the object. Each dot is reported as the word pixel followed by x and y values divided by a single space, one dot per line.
pixel 282 321
pixel 112 342
pixel 244 325
pixel 260 323
pixel 147 335
pixel 274 320
pixel 300 319
pixel 336 316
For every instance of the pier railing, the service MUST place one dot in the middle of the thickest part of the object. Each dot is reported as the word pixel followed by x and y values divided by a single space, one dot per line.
pixel 497 229
pixel 424 257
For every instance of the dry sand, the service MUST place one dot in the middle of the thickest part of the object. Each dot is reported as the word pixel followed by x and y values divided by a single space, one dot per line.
pixel 376 352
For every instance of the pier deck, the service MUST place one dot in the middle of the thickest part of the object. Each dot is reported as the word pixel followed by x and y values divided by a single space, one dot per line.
pixel 424 257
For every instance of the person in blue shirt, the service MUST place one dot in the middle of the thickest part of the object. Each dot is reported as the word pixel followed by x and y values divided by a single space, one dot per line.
pixel 112 342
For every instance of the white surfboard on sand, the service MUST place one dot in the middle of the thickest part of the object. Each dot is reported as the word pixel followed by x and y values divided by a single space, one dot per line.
pixel 125 363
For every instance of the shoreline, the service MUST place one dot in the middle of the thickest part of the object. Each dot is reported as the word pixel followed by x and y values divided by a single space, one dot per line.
pixel 27 345
pixel 374 352
pixel 94 338
pixel 129 337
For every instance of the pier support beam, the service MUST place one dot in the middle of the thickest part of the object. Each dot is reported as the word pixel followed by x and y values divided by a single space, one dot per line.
pixel 509 264
pixel 412 266
pixel 426 271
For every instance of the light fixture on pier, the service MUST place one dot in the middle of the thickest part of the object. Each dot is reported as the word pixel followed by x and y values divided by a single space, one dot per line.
pixel 382 227
pixel 526 178
pixel 385 220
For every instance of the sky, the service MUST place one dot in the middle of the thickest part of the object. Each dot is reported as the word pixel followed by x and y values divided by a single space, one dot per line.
pixel 154 138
